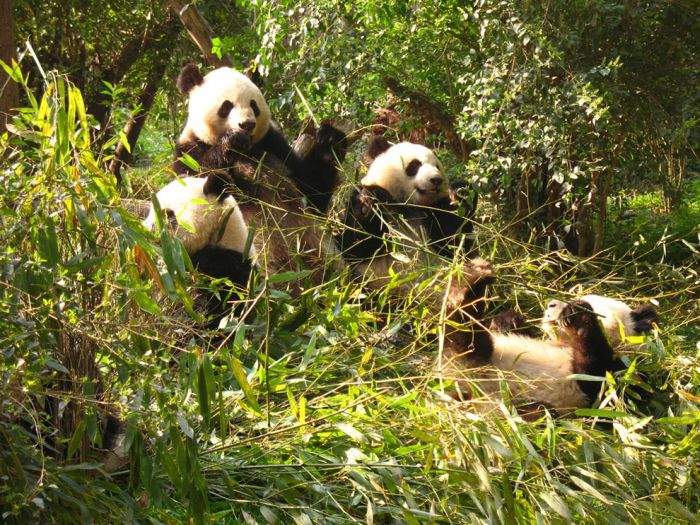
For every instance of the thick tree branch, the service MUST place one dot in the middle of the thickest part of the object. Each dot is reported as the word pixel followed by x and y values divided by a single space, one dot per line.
pixel 199 30
pixel 8 53
pixel 433 113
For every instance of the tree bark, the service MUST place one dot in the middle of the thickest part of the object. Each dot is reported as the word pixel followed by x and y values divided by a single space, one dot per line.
pixel 199 30
pixel 432 112
pixel 149 90
pixel 9 96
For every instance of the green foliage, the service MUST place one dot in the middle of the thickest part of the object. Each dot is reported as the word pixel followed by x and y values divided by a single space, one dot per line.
pixel 335 421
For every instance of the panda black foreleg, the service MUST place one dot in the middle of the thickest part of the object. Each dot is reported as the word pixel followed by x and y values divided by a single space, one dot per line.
pixel 363 231
pixel 221 263
pixel 593 354
pixel 449 219
pixel 219 156
pixel 317 174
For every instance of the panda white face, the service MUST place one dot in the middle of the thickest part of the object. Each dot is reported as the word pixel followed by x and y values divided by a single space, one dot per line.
pixel 226 101
pixel 611 314
pixel 196 218
pixel 411 173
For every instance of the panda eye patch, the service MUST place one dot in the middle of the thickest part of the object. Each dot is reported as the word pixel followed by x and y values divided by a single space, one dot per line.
pixel 413 167
pixel 225 108
pixel 256 109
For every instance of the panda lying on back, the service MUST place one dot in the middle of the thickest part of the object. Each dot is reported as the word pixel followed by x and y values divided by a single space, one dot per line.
pixel 405 195
pixel 536 370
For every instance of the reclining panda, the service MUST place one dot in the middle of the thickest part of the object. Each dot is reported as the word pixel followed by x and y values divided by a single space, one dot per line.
pixel 537 371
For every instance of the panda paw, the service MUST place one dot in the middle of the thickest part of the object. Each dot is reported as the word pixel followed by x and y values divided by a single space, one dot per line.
pixel 577 316
pixel 237 141
pixel 328 135
pixel 481 268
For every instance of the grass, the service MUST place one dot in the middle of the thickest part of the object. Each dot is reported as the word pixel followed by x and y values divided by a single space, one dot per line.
pixel 338 421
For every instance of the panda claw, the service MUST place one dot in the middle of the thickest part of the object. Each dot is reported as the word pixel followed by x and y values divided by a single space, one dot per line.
pixel 576 315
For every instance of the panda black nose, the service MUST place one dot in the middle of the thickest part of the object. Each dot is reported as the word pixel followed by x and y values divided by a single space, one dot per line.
pixel 436 181
pixel 248 125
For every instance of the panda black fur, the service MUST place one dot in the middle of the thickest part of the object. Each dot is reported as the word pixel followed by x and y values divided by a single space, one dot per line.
pixel 229 127
pixel 405 194
pixel 203 215
pixel 536 370
pixel 229 132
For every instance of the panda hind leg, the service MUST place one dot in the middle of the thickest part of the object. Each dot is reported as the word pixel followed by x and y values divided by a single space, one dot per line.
pixel 220 263
pixel 318 174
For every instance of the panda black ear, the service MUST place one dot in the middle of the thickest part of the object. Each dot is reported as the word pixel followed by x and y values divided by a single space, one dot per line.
pixel 189 77
pixel 377 145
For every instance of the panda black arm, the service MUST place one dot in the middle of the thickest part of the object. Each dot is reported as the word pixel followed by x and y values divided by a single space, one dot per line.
pixel 593 354
pixel 363 231
pixel 317 177
pixel 451 217
pixel 275 143
pixel 218 156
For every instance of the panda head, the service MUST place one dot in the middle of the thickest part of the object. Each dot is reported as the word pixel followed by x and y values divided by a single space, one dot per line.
pixel 195 208
pixel 611 314
pixel 223 102
pixel 410 173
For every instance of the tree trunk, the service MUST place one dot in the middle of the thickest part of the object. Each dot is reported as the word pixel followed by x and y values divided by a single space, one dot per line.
pixel 603 206
pixel 149 90
pixel 100 105
pixel 8 88
pixel 199 30
pixel 132 130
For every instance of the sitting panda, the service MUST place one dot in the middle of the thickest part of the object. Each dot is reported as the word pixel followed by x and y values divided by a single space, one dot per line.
pixel 405 197
pixel 206 218
pixel 229 127
pixel 616 317
pixel 229 133
pixel 536 370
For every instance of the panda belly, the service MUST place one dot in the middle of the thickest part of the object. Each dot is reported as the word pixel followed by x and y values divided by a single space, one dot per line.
pixel 536 371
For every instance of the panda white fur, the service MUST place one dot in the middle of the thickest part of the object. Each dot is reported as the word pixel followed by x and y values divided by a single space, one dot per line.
pixel 230 134
pixel 404 214
pixel 536 370
pixel 208 221
pixel 197 218
pixel 616 317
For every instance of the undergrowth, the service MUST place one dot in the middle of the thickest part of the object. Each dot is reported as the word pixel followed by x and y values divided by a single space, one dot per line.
pixel 339 420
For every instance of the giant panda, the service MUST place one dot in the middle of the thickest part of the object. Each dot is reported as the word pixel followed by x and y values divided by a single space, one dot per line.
pixel 207 220
pixel 404 214
pixel 229 132
pixel 536 371
pixel 616 317
pixel 229 127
